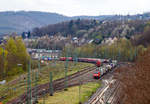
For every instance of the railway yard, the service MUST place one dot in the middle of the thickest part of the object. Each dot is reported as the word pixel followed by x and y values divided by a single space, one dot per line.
pixel 74 52
pixel 107 93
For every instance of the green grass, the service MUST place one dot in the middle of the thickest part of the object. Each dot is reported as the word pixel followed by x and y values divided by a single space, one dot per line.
pixel 59 71
pixel 8 91
pixel 72 95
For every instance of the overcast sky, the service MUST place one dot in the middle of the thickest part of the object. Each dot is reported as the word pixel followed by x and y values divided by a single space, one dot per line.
pixel 78 7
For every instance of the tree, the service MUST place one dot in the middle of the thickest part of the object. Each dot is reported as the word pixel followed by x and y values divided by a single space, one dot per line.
pixel 16 55
pixel 21 54
pixel 3 62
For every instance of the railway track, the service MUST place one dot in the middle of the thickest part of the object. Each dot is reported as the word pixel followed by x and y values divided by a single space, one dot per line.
pixel 106 95
pixel 58 84
pixel 99 97
pixel 109 93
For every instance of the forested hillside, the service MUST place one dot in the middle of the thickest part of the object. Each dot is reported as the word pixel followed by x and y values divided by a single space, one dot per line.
pixel 94 29
pixel 23 21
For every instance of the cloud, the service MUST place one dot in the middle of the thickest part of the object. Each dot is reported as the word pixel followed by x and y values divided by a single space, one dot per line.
pixel 78 7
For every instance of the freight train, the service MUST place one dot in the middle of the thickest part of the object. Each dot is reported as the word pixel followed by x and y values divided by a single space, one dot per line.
pixel 104 68
pixel 103 65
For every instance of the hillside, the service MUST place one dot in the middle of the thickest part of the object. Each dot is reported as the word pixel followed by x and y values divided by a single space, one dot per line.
pixel 23 21
pixel 81 32
pixel 93 29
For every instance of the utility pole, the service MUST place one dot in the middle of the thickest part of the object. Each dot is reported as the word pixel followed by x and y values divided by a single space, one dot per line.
pixel 44 96
pixel 75 58
pixel 80 91
pixel 39 59
pixel 29 95
pixel 104 53
pixel 36 87
pixel 135 55
pixel 51 84
pixel 3 73
pixel 119 54
pixel 37 79
pixel 55 54
pixel 66 71
pixel 39 66
pixel 79 88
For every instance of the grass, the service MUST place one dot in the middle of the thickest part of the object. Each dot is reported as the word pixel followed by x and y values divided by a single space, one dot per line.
pixel 72 95
pixel 14 90
pixel 59 71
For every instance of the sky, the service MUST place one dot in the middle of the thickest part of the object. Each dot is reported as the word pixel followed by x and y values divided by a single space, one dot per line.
pixel 78 7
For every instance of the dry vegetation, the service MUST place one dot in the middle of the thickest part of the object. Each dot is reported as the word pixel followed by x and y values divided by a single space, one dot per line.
pixel 135 81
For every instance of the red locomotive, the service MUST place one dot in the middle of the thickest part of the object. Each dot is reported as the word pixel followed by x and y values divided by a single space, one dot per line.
pixel 96 75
